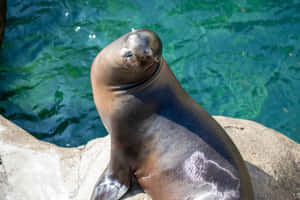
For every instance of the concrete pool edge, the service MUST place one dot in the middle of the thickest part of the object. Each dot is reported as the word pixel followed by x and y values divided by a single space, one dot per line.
pixel 33 169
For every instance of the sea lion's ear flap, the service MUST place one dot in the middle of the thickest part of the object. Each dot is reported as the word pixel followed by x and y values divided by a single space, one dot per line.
pixel 157 59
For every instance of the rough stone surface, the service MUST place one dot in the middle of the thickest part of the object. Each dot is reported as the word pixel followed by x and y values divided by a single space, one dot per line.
pixel 34 170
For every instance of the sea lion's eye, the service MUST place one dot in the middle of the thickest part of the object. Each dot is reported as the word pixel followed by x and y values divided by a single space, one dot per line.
pixel 128 54
pixel 148 51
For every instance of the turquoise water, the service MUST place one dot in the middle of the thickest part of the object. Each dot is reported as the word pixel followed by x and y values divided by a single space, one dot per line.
pixel 238 58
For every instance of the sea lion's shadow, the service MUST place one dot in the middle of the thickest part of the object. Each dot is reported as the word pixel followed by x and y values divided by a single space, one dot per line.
pixel 261 182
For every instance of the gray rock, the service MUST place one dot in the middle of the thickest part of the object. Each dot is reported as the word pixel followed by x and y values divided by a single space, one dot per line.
pixel 35 170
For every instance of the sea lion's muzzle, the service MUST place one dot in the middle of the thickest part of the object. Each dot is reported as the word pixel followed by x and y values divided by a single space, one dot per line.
pixel 137 45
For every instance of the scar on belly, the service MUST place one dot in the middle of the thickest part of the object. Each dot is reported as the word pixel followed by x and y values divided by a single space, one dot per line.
pixel 223 184
pixel 199 169
pixel 194 166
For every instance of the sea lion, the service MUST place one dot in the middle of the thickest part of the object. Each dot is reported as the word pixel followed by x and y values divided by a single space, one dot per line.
pixel 159 134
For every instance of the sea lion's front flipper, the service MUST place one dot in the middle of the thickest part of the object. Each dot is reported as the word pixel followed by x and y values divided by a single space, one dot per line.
pixel 112 184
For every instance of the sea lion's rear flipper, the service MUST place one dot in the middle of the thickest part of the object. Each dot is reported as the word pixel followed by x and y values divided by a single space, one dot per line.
pixel 112 184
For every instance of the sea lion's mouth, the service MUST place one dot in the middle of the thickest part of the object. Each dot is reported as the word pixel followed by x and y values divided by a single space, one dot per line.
pixel 139 84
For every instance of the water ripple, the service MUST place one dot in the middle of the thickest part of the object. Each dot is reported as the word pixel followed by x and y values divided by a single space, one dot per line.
pixel 235 58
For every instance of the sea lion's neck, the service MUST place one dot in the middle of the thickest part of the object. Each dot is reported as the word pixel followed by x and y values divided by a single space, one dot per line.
pixel 132 87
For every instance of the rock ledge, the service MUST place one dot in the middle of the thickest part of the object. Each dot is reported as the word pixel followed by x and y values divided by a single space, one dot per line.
pixel 36 170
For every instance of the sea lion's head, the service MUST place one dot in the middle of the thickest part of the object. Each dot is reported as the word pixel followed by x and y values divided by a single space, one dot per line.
pixel 131 59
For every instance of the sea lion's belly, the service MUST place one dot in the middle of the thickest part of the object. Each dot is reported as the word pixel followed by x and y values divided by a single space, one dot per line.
pixel 182 166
